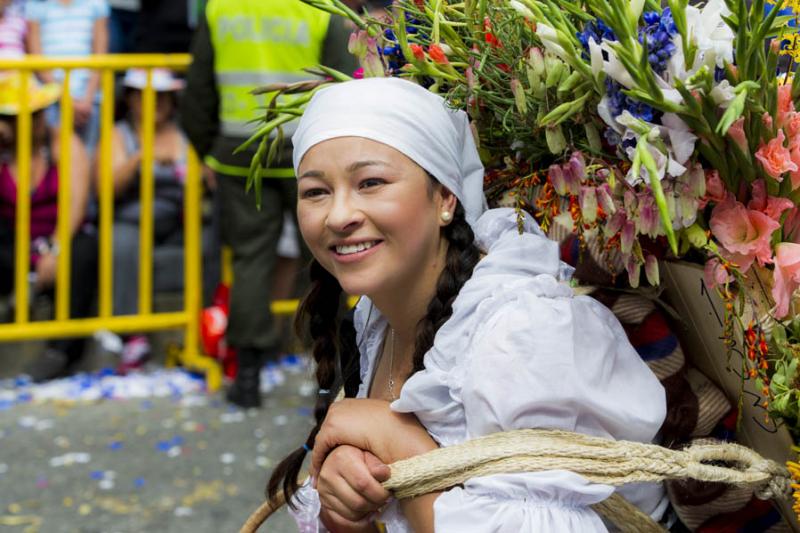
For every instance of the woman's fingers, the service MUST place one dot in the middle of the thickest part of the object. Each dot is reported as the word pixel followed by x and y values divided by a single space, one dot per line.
pixel 376 467
pixel 347 484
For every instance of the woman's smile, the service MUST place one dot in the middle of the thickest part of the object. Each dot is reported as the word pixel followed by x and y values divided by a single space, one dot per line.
pixel 348 253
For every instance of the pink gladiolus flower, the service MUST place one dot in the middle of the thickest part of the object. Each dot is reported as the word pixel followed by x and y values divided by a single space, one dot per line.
pixel 786 278
pixel 577 165
pixel 775 157
pixel 791 226
pixel 556 175
pixel 714 274
pixel 766 118
pixel 785 104
pixel 792 129
pixel 736 133
pixel 771 206
pixel 648 220
pixel 795 155
pixel 634 271
pixel 358 73
pixel 627 237
pixel 715 188
pixel 605 200
pixel 744 232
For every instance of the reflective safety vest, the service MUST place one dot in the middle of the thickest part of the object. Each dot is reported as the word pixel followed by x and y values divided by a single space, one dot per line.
pixel 258 42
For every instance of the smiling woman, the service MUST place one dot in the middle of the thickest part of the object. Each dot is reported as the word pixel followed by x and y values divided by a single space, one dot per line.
pixel 466 327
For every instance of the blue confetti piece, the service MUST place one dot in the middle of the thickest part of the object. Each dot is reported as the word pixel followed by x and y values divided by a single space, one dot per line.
pixel 177 440
pixel 304 411
pixel 25 397
pixel 139 482
pixel 291 360
pixel 163 446
pixel 116 446
pixel 96 474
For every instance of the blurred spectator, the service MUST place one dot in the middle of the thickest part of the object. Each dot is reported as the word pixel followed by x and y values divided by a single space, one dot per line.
pixel 241 45
pixel 13 31
pixel 72 28
pixel 167 29
pixel 59 355
pixel 169 168
pixel 122 24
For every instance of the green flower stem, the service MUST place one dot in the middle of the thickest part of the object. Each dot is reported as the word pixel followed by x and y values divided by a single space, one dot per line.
pixel 658 192
pixel 264 131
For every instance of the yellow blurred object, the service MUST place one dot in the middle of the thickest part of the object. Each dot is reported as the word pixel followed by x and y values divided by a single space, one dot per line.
pixel 39 96
pixel 21 94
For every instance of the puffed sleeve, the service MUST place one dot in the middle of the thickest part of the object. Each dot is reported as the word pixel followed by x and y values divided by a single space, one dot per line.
pixel 557 363
pixel 306 510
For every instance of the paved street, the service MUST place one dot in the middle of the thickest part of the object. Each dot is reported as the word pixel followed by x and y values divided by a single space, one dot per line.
pixel 181 462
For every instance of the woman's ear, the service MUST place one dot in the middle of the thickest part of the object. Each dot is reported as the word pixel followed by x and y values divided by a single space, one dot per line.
pixel 447 206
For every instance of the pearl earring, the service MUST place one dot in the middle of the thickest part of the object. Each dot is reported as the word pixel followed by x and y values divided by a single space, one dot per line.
pixel 446 216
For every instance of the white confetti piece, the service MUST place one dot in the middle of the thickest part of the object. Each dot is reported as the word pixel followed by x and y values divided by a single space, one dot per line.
pixel 183 511
pixel 227 458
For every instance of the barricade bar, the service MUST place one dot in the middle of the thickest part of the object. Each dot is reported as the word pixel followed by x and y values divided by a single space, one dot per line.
pixel 106 197
pixel 112 61
pixel 22 243
pixel 147 193
pixel 64 224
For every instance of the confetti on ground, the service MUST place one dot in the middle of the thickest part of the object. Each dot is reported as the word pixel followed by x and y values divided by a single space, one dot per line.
pixel 147 452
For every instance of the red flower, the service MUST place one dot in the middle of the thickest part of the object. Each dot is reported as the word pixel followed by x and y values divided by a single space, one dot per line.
pixel 418 51
pixel 437 54
pixel 489 36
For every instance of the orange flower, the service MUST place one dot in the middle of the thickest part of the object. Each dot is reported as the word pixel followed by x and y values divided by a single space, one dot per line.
pixel 437 54
pixel 418 51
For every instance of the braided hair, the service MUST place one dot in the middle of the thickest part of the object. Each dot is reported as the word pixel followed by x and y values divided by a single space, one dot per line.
pixel 320 309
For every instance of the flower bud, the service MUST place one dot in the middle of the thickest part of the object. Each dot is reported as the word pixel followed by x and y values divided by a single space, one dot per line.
pixel 593 136
pixel 556 142
pixel 605 200
pixel 627 237
pixel 536 61
pixel 696 236
pixel 588 201
pixel 556 176
pixel 651 270
pixel 519 96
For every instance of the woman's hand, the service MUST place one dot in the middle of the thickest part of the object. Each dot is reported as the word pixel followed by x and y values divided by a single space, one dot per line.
pixel 46 270
pixel 349 485
pixel 372 426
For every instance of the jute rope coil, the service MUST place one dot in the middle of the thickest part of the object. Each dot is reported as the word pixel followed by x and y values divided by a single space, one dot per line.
pixel 599 460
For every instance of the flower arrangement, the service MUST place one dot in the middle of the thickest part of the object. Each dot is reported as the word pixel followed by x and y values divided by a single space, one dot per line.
pixel 657 133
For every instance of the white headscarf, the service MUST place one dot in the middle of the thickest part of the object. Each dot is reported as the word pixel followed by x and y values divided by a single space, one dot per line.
pixel 406 117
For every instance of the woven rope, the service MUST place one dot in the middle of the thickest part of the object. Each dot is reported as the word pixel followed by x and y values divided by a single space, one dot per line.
pixel 599 460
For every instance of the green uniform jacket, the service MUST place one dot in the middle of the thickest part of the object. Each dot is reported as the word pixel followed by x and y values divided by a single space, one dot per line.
pixel 200 105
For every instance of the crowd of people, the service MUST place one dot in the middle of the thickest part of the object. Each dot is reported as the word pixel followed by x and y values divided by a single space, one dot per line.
pixel 263 242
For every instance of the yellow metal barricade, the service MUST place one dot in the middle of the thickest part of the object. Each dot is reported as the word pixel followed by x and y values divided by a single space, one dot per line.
pixel 62 324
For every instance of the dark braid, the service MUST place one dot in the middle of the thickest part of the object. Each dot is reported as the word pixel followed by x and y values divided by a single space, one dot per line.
pixel 319 311
pixel 462 256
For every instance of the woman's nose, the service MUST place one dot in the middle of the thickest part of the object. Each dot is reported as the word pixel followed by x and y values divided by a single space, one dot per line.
pixel 344 214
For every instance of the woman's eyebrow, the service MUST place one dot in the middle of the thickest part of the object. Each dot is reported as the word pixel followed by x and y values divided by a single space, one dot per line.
pixel 361 164
pixel 312 174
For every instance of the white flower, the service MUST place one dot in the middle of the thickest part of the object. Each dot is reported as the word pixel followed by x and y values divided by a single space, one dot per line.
pixel 549 39
pixel 521 8
pixel 681 139
pixel 723 93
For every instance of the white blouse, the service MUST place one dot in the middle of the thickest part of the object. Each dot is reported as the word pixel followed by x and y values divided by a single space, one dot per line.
pixel 520 351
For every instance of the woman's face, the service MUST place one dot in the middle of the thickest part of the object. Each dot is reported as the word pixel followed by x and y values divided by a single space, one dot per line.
pixel 370 215
pixel 164 105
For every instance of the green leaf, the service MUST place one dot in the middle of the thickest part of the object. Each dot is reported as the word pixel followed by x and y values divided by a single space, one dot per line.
pixel 658 192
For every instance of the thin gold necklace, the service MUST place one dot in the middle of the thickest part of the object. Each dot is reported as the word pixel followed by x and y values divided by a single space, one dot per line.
pixel 391 365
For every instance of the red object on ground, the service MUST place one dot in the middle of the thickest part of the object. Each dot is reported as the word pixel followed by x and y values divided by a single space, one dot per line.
pixel 213 324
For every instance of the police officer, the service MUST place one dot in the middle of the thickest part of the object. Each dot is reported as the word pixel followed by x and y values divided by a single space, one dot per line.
pixel 242 45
